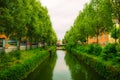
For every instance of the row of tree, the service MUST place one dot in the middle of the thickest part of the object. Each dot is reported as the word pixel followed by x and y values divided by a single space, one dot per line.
pixel 26 19
pixel 96 18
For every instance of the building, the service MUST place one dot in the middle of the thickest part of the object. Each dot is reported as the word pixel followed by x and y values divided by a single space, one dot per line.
pixel 104 38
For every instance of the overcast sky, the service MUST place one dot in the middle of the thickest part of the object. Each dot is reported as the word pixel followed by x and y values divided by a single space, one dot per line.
pixel 63 13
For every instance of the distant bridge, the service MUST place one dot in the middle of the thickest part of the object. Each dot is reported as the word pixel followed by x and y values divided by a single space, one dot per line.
pixel 61 47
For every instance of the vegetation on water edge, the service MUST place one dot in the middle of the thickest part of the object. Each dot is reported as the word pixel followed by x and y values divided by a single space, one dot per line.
pixel 104 60
pixel 18 64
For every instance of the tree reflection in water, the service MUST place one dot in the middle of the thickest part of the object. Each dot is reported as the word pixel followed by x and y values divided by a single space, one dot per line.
pixel 44 71
pixel 80 71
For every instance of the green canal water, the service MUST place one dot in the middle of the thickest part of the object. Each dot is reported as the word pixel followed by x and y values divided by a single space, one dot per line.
pixel 63 66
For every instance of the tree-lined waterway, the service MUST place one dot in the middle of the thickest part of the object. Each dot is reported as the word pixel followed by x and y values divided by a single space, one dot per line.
pixel 63 66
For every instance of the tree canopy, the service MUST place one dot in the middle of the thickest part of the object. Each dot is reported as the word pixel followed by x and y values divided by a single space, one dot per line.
pixel 95 19
pixel 26 19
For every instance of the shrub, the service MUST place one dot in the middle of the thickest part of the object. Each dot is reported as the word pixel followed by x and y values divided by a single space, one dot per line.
pixel 70 45
pixel 90 49
pixel 97 49
pixel 109 51
pixel 81 48
pixel 16 54
pixel 110 48
pixel 118 48
pixel 4 58
pixel 2 53
pixel 117 59
pixel 94 49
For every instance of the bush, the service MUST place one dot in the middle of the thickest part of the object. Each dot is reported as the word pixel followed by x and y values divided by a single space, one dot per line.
pixel 117 59
pixel 94 49
pixel 90 49
pixel 16 54
pixel 81 48
pixel 97 49
pixel 4 58
pixel 118 48
pixel 2 53
pixel 109 51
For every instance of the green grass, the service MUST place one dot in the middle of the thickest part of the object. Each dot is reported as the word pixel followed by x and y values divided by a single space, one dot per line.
pixel 13 67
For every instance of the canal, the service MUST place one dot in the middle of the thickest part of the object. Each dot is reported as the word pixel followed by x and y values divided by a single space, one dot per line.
pixel 63 66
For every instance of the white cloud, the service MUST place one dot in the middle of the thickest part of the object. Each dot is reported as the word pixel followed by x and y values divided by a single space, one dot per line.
pixel 63 13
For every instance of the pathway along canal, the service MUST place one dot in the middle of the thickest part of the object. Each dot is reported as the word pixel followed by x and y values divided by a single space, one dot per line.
pixel 63 66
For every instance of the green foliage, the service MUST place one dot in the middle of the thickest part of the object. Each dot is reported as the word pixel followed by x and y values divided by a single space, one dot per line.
pixel 97 50
pixel 115 33
pixel 94 49
pixel 116 9
pixel 16 54
pixel 109 51
pixel 105 68
pixel 70 45
pixel 28 62
pixel 90 49
pixel 118 48
pixel 51 49
pixel 26 19
pixel 2 53
pixel 4 58
pixel 95 18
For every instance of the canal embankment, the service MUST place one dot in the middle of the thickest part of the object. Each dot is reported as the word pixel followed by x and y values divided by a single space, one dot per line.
pixel 19 64
pixel 79 70
pixel 65 66
pixel 44 71
pixel 105 65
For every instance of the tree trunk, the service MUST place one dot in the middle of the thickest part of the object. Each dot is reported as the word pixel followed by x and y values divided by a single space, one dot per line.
pixel 26 45
pixel 37 43
pixel 115 36
pixel 119 30
pixel 87 39
pixel 97 36
pixel 97 39
pixel 31 43
pixel 115 41
pixel 19 43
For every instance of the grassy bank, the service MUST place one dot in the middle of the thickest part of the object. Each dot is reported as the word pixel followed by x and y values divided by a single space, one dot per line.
pixel 102 60
pixel 18 64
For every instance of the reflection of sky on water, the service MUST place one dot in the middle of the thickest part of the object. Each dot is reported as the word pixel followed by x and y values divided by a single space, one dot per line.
pixel 61 70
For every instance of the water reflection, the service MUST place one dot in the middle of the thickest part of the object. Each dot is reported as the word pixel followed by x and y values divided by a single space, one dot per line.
pixel 80 71
pixel 61 71
pixel 44 71
pixel 67 67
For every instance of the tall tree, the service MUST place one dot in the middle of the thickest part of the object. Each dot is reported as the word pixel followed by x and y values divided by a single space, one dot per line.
pixel 95 18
